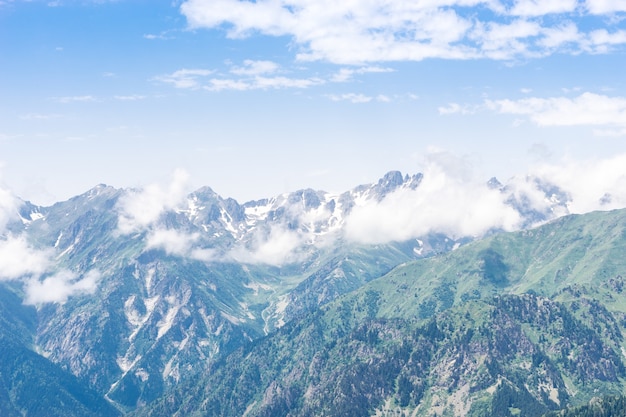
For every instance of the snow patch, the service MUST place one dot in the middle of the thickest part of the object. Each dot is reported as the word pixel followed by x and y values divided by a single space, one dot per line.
pixel 56 244
pixel 35 215
pixel 66 251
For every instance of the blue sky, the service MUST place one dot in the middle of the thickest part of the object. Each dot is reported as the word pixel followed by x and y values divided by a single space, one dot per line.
pixel 258 98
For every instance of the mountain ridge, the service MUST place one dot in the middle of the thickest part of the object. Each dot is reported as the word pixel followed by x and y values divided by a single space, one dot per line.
pixel 169 278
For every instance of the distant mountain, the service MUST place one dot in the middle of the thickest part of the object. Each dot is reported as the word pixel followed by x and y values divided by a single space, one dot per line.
pixel 139 292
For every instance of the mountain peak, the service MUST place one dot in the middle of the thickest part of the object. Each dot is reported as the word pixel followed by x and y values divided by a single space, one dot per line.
pixel 391 179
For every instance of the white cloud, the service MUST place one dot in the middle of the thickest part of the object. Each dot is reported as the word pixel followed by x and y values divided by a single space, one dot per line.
pixel 395 30
pixel 605 6
pixel 456 108
pixel 591 185
pixel 75 99
pixel 346 74
pixel 351 97
pixel 251 67
pixel 204 255
pixel 60 286
pixel 542 7
pixel 138 210
pixel 278 247
pixel 288 241
pixel 185 78
pixel 284 82
pixel 217 84
pixel 601 40
pixel 133 97
pixel 506 40
pixel 586 109
pixel 261 83
pixel 447 201
pixel 19 259
pixel 564 34
pixel 171 241
pixel 161 36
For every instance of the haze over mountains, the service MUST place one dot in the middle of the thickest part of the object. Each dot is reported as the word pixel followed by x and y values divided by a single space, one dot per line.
pixel 139 293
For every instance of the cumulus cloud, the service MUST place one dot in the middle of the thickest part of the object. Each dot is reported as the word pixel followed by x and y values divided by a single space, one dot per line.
pixel 396 30
pixel 351 97
pixel 347 74
pixel 185 78
pixel 451 200
pixel 251 67
pixel 542 7
pixel 587 109
pixel 278 247
pixel 140 209
pixel 605 6
pixel 445 202
pixel 18 259
pixel 456 108
pixel 172 242
pixel 60 286
pixel 597 184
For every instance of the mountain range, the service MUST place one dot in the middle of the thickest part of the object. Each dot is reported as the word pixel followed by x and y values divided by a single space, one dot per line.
pixel 405 296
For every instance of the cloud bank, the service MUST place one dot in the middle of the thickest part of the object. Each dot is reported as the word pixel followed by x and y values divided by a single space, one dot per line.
pixel 598 184
pixel 278 247
pixel 445 202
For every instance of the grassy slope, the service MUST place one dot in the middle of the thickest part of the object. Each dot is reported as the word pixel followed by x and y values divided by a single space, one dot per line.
pixel 541 354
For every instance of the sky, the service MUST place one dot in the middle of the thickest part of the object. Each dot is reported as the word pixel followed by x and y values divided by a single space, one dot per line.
pixel 259 98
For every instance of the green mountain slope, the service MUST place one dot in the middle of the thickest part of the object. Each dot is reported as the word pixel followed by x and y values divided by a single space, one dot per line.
pixel 516 324
pixel 574 255
pixel 511 355
pixel 31 385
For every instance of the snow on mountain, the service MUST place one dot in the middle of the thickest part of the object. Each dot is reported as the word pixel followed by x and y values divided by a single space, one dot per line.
pixel 150 281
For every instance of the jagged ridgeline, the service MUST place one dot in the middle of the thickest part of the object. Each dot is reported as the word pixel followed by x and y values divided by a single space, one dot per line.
pixel 209 307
